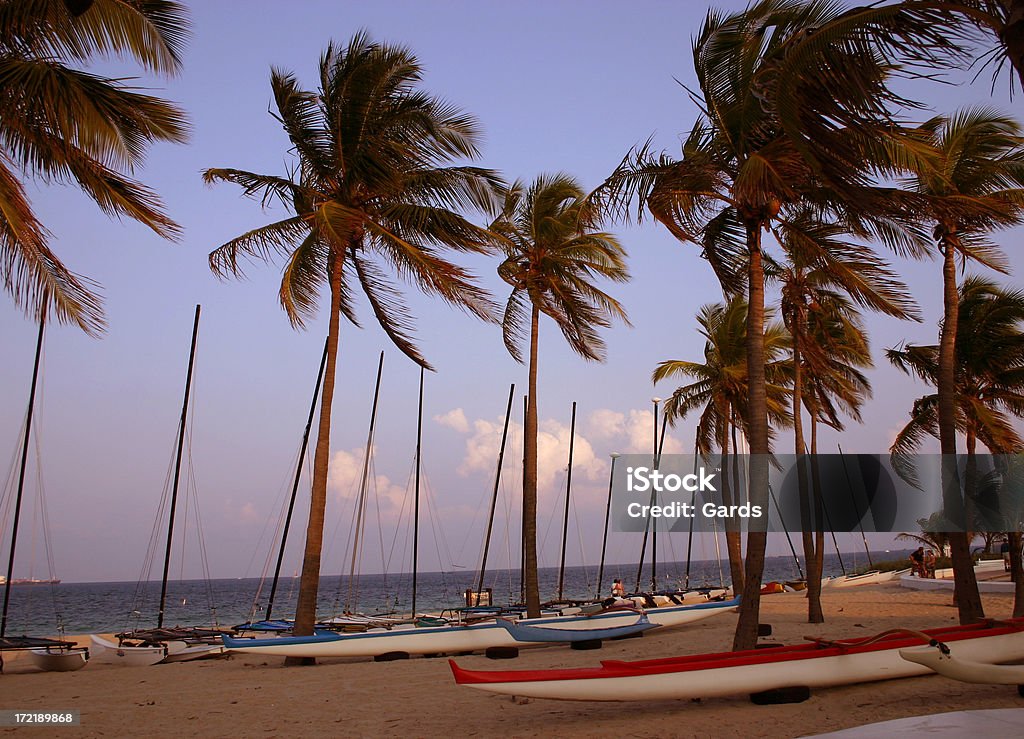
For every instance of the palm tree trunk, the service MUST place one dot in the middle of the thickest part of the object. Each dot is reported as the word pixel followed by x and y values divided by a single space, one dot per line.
pixel 530 478
pixel 305 610
pixel 1016 572
pixel 733 542
pixel 757 435
pixel 965 590
pixel 817 563
pixel 1012 36
pixel 814 614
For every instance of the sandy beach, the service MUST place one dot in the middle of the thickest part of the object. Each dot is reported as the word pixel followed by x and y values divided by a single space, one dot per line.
pixel 249 696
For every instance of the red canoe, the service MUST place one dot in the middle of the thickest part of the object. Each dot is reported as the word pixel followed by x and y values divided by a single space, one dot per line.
pixel 734 673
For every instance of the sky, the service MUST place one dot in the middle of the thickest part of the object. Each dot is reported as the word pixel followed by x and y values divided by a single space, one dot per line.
pixel 556 86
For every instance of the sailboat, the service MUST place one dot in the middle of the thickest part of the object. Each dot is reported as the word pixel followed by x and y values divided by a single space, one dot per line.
pixel 147 647
pixel 47 654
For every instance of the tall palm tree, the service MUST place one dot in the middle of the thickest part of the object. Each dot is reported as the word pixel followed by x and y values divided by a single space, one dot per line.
pixel 373 187
pixel 553 253
pixel 720 390
pixel 973 186
pixel 59 124
pixel 989 377
pixel 821 270
pixel 742 173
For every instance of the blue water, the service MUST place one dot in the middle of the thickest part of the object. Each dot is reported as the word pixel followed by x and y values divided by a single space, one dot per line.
pixel 80 608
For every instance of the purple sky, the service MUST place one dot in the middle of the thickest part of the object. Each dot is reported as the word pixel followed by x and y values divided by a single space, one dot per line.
pixel 556 86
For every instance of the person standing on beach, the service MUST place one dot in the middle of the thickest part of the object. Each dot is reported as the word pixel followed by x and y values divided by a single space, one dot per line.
pixel 917 560
pixel 929 563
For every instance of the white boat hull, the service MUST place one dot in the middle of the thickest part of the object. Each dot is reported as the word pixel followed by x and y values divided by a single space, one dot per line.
pixel 60 660
pixel 109 652
pixel 452 639
pixel 841 669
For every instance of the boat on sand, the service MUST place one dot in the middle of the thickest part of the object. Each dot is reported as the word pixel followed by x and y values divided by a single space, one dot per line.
pixel 816 664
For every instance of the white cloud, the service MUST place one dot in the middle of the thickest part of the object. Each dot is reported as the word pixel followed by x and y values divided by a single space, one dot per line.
pixel 345 473
pixel 454 419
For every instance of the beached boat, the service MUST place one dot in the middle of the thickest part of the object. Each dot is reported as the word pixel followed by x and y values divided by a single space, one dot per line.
pixel 532 633
pixel 60 659
pixel 126 654
pixel 449 638
pixel 941 658
pixel 819 664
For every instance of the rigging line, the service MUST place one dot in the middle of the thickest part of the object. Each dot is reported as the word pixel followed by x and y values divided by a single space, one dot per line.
pixel 356 550
pixel 21 478
pixel 856 508
pixel 177 467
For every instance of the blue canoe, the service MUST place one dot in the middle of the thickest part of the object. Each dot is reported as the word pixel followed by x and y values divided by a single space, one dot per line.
pixel 533 633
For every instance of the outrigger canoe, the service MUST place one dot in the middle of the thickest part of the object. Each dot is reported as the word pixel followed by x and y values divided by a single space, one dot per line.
pixel 941 658
pixel 813 665
pixel 459 637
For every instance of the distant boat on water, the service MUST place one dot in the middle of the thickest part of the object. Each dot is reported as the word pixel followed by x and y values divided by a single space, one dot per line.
pixel 30 581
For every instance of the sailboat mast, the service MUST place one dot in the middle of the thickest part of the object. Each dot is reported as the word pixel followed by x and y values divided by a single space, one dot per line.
pixel 607 517
pixel 856 508
pixel 177 471
pixel 295 484
pixel 416 504
pixel 568 491
pixel 361 501
pixel 497 482
pixel 21 476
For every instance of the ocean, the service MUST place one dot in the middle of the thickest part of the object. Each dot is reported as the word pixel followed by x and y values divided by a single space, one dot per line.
pixel 101 607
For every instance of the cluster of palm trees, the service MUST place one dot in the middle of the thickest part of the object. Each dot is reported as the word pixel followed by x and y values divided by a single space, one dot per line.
pixel 797 145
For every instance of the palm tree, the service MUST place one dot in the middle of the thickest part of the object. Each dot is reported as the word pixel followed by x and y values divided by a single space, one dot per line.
pixel 372 188
pixel 973 186
pixel 59 124
pixel 553 253
pixel 720 388
pixel 821 270
pixel 989 378
pixel 741 173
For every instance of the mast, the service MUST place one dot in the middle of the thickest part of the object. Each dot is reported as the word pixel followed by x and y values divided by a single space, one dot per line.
pixel 21 475
pixel 177 470
pixel 856 508
pixel 786 530
pixel 607 516
pixel 361 501
pixel 295 484
pixel 494 497
pixel 416 508
pixel 649 525
pixel 568 490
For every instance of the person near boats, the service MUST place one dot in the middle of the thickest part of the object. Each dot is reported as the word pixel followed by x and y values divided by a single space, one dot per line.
pixel 1004 549
pixel 917 561
pixel 618 590
pixel 929 563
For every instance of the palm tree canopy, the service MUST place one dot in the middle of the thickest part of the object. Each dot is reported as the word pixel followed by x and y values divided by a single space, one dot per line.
pixel 975 183
pixel 720 383
pixel 553 253
pixel 989 371
pixel 61 125
pixel 375 185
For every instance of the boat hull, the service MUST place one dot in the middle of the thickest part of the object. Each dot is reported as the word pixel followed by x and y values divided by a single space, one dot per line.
pixel 752 671
pixel 459 638
pixel 109 652
pixel 60 660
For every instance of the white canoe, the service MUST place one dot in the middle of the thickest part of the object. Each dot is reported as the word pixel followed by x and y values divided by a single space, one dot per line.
pixel 458 638
pixel 112 653
pixel 948 663
pixel 751 671
pixel 60 660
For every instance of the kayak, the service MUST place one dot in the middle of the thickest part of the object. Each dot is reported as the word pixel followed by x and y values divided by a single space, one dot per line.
pixel 816 664
pixel 531 633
